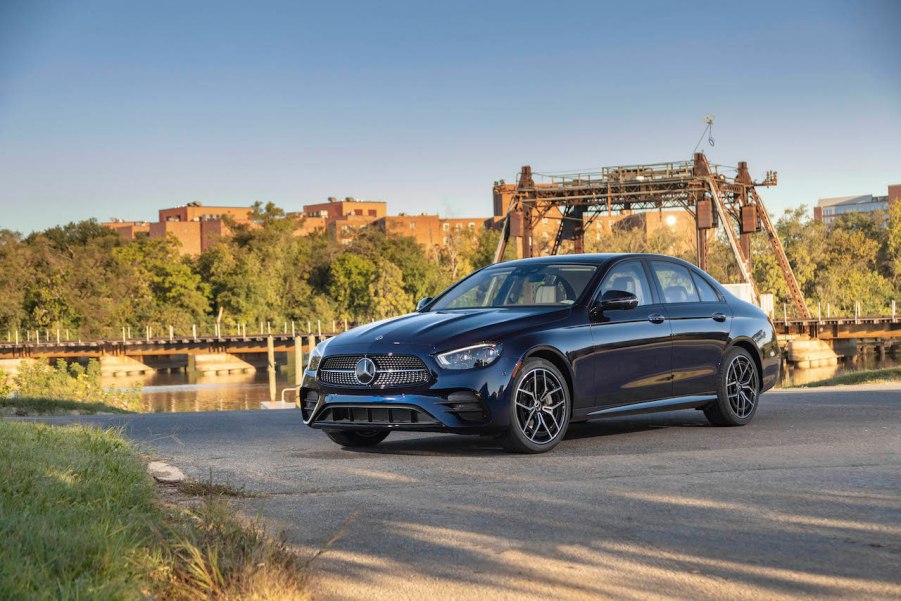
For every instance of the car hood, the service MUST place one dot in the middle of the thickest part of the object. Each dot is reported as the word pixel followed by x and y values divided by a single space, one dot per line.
pixel 443 330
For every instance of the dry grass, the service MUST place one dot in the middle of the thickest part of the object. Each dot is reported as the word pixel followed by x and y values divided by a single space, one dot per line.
pixel 874 376
pixel 23 407
pixel 210 488
pixel 81 519
pixel 208 552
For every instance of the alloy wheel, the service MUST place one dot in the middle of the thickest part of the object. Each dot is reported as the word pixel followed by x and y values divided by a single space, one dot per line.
pixel 742 386
pixel 540 406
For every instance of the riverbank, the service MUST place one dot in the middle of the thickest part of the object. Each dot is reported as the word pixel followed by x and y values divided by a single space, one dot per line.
pixel 874 376
pixel 19 407
pixel 81 518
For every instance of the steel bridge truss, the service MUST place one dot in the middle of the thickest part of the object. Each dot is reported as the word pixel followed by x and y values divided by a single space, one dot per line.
pixel 714 195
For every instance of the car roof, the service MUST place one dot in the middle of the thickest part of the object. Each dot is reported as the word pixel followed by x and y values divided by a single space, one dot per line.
pixel 589 259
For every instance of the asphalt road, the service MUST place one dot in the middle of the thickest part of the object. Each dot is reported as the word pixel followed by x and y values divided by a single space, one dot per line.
pixel 803 503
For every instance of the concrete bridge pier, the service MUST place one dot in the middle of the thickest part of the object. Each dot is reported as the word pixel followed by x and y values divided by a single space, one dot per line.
pixel 846 347
pixel 261 360
pixel 806 353
pixel 119 366
pixel 10 367
pixel 167 363
pixel 218 364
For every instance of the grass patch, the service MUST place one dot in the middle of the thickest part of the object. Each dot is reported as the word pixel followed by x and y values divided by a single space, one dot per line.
pixel 79 518
pixel 875 376
pixel 209 488
pixel 27 407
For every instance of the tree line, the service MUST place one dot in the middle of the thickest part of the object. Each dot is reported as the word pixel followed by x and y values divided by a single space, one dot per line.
pixel 86 278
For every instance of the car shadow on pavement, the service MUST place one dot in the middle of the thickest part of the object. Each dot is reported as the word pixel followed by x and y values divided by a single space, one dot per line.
pixel 453 444
pixel 631 425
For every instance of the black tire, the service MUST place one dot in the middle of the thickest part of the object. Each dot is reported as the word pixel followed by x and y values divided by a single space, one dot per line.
pixel 553 402
pixel 738 390
pixel 357 438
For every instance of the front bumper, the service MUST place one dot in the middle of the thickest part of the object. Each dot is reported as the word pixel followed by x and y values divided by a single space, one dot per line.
pixel 466 402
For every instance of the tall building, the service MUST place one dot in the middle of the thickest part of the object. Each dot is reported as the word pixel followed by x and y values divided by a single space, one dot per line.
pixel 830 209
pixel 194 225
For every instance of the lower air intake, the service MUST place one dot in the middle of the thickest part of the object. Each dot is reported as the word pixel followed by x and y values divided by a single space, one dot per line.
pixel 375 415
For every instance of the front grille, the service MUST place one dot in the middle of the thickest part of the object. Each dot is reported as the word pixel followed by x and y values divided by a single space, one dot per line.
pixel 383 416
pixel 391 371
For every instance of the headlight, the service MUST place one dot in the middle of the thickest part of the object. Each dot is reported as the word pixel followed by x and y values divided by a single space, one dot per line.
pixel 316 356
pixel 478 355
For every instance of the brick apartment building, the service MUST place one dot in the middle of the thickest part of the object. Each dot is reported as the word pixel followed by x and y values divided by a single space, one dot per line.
pixel 196 226
pixel 343 219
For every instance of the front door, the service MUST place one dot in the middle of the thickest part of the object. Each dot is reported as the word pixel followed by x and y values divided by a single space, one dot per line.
pixel 631 357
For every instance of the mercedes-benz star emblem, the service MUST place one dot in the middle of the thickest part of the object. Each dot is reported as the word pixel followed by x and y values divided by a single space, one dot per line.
pixel 364 371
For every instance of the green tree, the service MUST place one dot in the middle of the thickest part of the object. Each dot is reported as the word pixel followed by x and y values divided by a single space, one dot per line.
pixel 163 287
pixel 893 244
pixel 349 279
pixel 387 294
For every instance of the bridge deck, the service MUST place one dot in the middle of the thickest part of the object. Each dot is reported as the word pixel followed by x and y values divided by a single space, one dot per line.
pixel 824 328
pixel 154 346
pixel 841 327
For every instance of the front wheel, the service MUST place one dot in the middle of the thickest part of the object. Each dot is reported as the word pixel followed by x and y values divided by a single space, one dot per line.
pixel 357 438
pixel 738 391
pixel 539 408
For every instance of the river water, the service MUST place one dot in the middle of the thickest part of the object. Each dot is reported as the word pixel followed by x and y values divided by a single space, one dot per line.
pixel 178 392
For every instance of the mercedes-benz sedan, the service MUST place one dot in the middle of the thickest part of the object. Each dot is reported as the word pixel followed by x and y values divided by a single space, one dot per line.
pixel 522 349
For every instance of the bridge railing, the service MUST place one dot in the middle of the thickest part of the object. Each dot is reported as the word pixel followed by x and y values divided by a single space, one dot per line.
pixel 160 331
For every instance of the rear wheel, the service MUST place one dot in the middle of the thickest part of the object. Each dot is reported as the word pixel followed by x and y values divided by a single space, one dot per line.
pixel 738 391
pixel 357 438
pixel 539 409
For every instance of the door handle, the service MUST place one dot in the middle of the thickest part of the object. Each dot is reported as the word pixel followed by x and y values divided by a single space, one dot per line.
pixel 656 318
pixel 718 317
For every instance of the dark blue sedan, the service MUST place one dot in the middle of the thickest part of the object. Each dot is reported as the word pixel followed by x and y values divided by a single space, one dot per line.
pixel 522 349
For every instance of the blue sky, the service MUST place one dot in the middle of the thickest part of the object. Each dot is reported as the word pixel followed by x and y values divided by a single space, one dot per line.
pixel 112 108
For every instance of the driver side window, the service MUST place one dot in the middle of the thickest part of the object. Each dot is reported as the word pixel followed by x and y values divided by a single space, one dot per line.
pixel 628 277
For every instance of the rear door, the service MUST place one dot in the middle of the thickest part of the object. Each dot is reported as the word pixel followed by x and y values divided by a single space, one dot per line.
pixel 700 320
pixel 631 357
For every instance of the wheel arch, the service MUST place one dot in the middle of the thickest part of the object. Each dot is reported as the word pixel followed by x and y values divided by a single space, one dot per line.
pixel 558 359
pixel 748 345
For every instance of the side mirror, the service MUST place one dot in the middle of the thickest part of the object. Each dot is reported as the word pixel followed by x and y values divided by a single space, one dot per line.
pixel 614 300
pixel 421 305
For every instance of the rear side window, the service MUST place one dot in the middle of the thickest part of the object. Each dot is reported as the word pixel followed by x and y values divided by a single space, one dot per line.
pixel 708 294
pixel 676 282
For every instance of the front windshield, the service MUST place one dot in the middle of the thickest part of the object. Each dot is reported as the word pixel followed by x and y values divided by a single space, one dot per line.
pixel 518 286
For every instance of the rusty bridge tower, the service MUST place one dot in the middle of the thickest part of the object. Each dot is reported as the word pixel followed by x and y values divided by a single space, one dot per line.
pixel 714 195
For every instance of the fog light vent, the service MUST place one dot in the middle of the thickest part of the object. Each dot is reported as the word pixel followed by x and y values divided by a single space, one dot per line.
pixel 309 403
pixel 466 405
